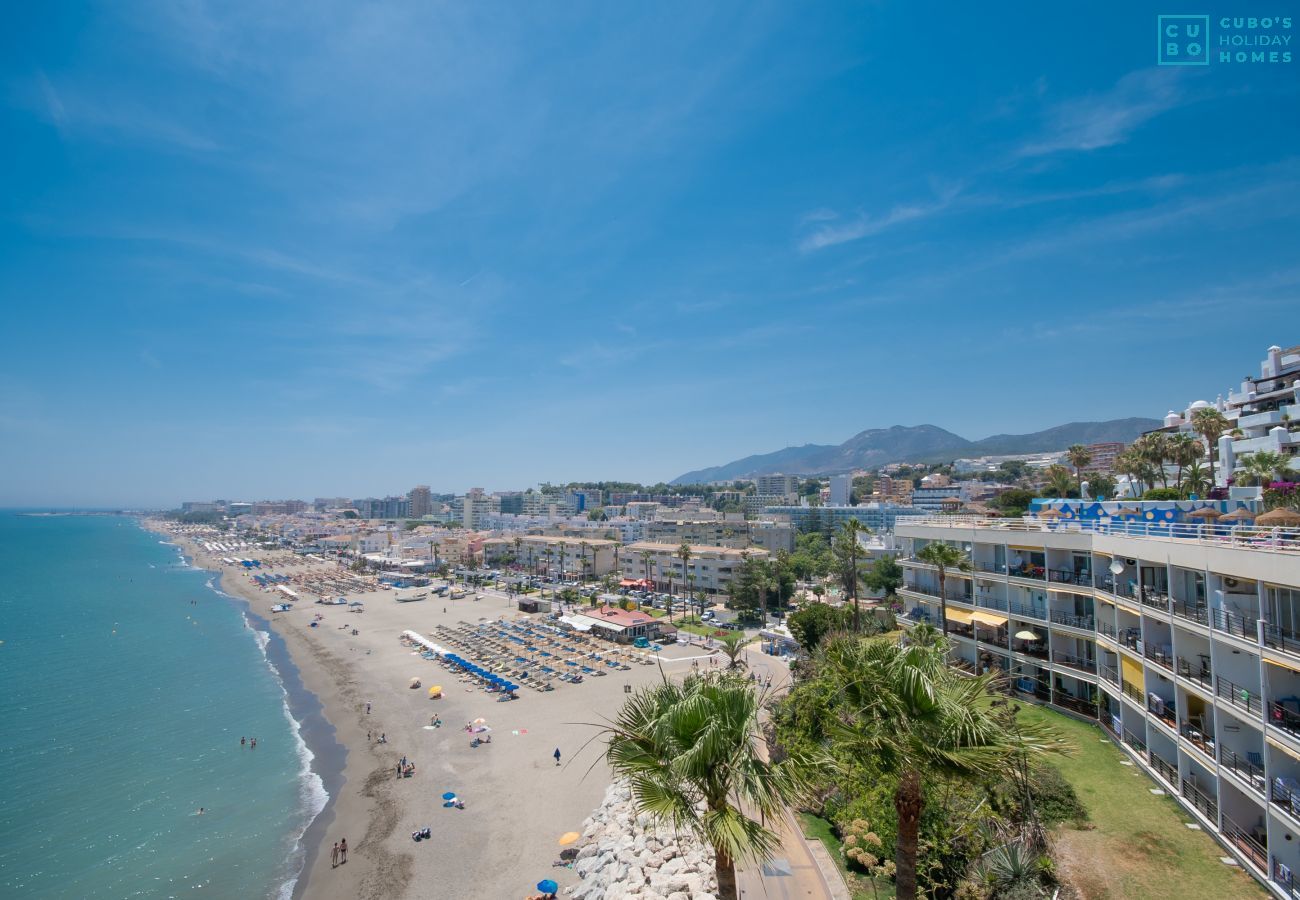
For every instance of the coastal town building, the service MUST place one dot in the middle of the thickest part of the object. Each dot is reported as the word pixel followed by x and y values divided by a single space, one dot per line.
pixel 876 516
pixel 1103 456
pixel 932 498
pixel 776 484
pixel 553 554
pixel 1181 637
pixel 737 534
pixel 419 502
pixel 709 569
pixel 840 490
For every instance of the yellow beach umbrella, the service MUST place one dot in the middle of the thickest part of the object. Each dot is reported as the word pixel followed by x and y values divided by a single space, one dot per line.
pixel 568 838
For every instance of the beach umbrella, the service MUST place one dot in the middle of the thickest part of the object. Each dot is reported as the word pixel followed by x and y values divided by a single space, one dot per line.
pixel 1204 512
pixel 450 795
pixel 435 690
pixel 1279 516
pixel 1237 515
pixel 1049 514
pixel 568 838
pixel 547 886
pixel 1027 635
pixel 480 721
pixel 1129 512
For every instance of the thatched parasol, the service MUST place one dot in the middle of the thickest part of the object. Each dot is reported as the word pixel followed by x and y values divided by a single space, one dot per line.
pixel 1239 514
pixel 1279 516
pixel 1204 512
pixel 1049 514
pixel 1129 512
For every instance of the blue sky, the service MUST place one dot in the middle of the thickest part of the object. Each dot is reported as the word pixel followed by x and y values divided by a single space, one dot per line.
pixel 253 249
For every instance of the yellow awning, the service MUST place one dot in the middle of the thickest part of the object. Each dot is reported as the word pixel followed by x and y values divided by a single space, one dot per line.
pixel 1286 664
pixel 1132 673
pixel 1037 549
pixel 985 618
pixel 959 615
pixel 1105 599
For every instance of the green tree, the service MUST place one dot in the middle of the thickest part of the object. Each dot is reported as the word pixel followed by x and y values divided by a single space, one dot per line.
pixel 1014 501
pixel 1210 424
pixel 847 554
pixel 733 645
pixel 684 553
pixel 1183 451
pixel 916 720
pixel 691 754
pixel 1264 466
pixel 1058 478
pixel 1079 457
pixel 943 557
pixel 812 622
pixel 885 575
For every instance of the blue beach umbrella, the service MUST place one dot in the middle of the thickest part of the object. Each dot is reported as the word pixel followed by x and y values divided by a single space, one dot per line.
pixel 547 886
pixel 450 795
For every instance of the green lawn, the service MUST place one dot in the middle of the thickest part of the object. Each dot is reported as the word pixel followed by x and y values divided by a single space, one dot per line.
pixel 817 828
pixel 1135 844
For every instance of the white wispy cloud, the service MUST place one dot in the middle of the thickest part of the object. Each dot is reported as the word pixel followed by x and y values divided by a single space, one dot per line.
pixel 830 228
pixel 1106 119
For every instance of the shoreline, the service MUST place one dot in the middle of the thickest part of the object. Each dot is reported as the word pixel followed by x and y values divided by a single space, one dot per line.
pixel 518 802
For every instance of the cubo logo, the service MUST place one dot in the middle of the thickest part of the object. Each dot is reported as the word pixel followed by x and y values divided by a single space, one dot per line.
pixel 1183 41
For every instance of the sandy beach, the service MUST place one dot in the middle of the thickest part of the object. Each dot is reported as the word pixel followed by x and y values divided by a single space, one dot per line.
pixel 518 802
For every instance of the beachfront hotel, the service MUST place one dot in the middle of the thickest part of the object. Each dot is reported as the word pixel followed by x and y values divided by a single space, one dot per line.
pixel 1181 637
pixel 553 554
pixel 710 568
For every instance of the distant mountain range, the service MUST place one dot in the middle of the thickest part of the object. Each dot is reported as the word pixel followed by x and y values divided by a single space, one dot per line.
pixel 915 444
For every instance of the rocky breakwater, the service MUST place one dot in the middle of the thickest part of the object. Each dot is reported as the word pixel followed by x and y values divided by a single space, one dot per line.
pixel 624 855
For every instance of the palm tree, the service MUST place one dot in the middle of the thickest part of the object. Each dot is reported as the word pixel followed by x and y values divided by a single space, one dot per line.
pixel 1264 466
pixel 847 549
pixel 1079 457
pixel 562 555
pixel 733 644
pixel 518 542
pixel 1130 463
pixel 1210 424
pixel 943 557
pixel 549 553
pixel 582 546
pixel 684 553
pixel 1153 448
pixel 914 717
pixel 1058 477
pixel 691 752
pixel 1195 480
pixel 645 563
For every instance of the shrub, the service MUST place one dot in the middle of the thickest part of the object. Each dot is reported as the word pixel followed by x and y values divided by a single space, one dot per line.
pixel 1163 494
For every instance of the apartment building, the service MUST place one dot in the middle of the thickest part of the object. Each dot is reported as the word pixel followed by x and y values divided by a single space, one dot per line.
pixel 738 535
pixel 554 554
pixel 420 501
pixel 776 484
pixel 879 517
pixel 1182 639
pixel 710 569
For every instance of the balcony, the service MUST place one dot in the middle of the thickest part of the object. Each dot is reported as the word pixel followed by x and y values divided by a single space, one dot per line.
pixel 1105 581
pixel 1105 629
pixel 1070 576
pixel 1076 704
pixel 1133 693
pixel 1110 673
pixel 1198 614
pixel 1158 655
pixel 1135 742
pixel 1240 697
pixel 1075 662
pixel 1026 610
pixel 1284 719
pixel 1249 769
pixel 1164 711
pixel 1285 793
pixel 1130 638
pixel 1166 771
pixel 1035 649
pixel 1281 638
pixel 1234 624
pixel 1152 599
pixel 1284 880
pixel 1200 802
pixel 1253 844
pixel 1199 673
pixel 1028 570
pixel 1072 621
pixel 1197 738
pixel 990 568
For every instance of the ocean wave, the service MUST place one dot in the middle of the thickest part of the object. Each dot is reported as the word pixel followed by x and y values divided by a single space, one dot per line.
pixel 167 543
pixel 311 788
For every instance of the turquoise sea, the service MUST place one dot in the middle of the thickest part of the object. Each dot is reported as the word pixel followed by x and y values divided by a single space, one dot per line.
pixel 128 681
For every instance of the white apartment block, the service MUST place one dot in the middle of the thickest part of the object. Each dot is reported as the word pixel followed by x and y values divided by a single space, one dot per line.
pixel 1183 641
pixel 776 484
pixel 709 569
pixel 770 536
pixel 553 555
pixel 841 490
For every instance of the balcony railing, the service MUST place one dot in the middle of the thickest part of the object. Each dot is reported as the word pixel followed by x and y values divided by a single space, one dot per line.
pixel 997 603
pixel 1197 739
pixel 1278 540
pixel 1166 771
pixel 1075 662
pixel 1164 712
pixel 1282 718
pixel 1153 599
pixel 1130 638
pixel 1158 655
pixel 1106 629
pixel 1070 576
pixel 1232 623
pixel 1133 693
pixel 1254 845
pixel 1028 570
pixel 1072 621
pixel 1026 648
pixel 1203 804
pixel 1284 879
pixel 1026 610
pixel 1105 582
pixel 1249 772
pixel 1110 673
pixel 1078 704
pixel 1195 613
pixel 1238 695
pixel 1285 797
pixel 989 567
pixel 1200 673
pixel 1135 742
pixel 1281 638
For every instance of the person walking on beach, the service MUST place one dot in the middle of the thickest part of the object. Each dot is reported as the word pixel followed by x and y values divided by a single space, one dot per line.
pixel 343 851
pixel 557 756
pixel 334 856
pixel 367 707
